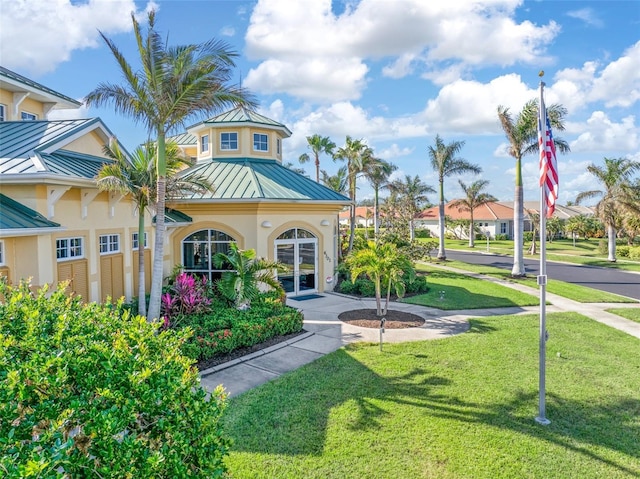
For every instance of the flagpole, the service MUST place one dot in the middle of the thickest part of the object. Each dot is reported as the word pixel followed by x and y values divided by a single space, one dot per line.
pixel 542 277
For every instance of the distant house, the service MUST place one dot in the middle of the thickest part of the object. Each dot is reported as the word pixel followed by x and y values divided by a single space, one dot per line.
pixel 364 217
pixel 494 218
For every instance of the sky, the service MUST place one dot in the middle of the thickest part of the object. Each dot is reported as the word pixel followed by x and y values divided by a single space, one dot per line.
pixel 394 73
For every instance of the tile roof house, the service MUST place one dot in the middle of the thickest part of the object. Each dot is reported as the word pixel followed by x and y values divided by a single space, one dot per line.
pixel 56 225
pixel 364 216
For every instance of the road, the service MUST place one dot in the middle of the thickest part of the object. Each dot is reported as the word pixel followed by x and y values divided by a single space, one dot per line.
pixel 604 279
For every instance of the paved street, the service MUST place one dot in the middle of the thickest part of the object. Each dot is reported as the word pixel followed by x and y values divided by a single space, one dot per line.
pixel 604 279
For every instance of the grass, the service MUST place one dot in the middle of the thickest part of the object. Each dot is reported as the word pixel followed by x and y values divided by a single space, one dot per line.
pixel 462 407
pixel 630 313
pixel 582 294
pixel 466 292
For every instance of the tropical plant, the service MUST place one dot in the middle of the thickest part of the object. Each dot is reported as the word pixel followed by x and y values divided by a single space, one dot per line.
pixel 137 176
pixel 241 284
pixel 475 198
pixel 555 226
pixel 411 193
pixel 174 85
pixel 522 134
pixel 318 144
pixel 377 172
pixel 356 154
pixel 187 295
pixel 338 182
pixel 534 218
pixel 445 163
pixel 385 266
pixel 616 176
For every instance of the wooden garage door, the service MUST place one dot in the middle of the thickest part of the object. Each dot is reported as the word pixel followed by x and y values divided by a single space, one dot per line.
pixel 147 271
pixel 112 276
pixel 77 273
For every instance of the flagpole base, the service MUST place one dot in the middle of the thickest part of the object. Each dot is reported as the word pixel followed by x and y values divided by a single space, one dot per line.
pixel 542 421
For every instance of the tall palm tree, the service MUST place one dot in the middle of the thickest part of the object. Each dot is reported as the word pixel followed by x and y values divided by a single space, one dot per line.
pixel 356 154
pixel 338 182
pixel 411 194
pixel 173 85
pixel 616 176
pixel 475 197
pixel 136 176
pixel 378 172
pixel 445 162
pixel 318 144
pixel 522 134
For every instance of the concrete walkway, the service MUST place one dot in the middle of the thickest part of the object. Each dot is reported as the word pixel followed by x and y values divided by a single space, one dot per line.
pixel 326 333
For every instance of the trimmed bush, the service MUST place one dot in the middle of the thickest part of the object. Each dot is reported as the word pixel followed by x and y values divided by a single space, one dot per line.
pixel 92 391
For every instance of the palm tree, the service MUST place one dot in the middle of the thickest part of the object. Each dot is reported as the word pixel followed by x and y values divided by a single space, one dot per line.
pixel 445 163
pixel 356 154
pixel 338 182
pixel 242 284
pixel 378 172
pixel 475 198
pixel 616 176
pixel 522 133
pixel 318 144
pixel 173 85
pixel 137 176
pixel 411 193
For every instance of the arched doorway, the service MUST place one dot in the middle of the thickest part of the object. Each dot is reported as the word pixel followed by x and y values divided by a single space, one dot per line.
pixel 199 248
pixel 297 249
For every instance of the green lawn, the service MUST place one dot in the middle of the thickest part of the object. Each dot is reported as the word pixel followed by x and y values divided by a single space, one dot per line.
pixel 461 407
pixel 466 292
pixel 575 292
pixel 630 313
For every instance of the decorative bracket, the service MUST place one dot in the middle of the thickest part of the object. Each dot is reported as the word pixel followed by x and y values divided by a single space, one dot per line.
pixel 114 199
pixel 18 98
pixel 87 195
pixel 54 193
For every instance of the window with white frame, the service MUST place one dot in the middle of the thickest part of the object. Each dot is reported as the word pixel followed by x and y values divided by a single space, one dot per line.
pixel 69 248
pixel 2 113
pixel 25 115
pixel 134 240
pixel 204 144
pixel 503 228
pixel 109 243
pixel 229 141
pixel 260 142
pixel 1 252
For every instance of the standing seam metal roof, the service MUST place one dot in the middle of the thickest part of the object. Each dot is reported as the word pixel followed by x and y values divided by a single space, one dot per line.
pixel 14 215
pixel 242 115
pixel 4 72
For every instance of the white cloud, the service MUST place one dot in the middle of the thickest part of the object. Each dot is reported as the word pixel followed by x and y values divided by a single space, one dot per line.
pixel 394 152
pixel 56 29
pixel 601 134
pixel 588 16
pixel 227 31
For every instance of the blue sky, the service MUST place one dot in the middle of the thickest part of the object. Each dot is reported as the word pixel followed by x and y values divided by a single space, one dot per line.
pixel 394 73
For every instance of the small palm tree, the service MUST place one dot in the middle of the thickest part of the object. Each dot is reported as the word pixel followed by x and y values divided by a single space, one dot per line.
pixel 445 163
pixel 616 176
pixel 242 283
pixel 318 144
pixel 378 172
pixel 411 194
pixel 475 198
pixel 137 176
pixel 385 265
pixel 173 85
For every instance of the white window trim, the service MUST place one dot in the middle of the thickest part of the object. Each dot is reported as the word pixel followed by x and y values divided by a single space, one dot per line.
pixel 134 246
pixel 3 109
pixel 222 148
pixel 109 244
pixel 2 253
pixel 24 112
pixel 204 143
pixel 267 142
pixel 69 248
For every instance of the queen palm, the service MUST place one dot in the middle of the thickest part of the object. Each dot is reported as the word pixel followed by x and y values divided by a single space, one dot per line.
pixel 522 134
pixel 445 163
pixel 173 85
pixel 411 194
pixel 475 197
pixel 616 176
pixel 136 176
pixel 378 172
pixel 318 144
pixel 356 154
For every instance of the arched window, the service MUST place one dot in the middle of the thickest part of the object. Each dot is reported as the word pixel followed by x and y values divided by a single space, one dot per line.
pixel 199 248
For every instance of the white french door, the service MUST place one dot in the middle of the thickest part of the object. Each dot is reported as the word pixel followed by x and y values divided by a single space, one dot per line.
pixel 300 256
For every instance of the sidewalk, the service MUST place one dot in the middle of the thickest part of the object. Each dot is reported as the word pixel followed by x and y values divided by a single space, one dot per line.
pixel 326 333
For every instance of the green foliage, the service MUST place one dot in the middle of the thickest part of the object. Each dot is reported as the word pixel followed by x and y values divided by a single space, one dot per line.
pixel 187 295
pixel 603 247
pixel 422 233
pixel 502 237
pixel 365 287
pixel 92 391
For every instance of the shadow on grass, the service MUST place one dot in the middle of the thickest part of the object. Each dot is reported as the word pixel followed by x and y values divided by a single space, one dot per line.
pixel 291 416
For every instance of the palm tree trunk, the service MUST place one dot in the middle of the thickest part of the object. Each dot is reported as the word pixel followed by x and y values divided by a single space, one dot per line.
pixel 317 168
pixel 472 232
pixel 441 253
pixel 611 232
pixel 142 294
pixel 378 297
pixel 518 225
pixel 158 248
pixel 375 215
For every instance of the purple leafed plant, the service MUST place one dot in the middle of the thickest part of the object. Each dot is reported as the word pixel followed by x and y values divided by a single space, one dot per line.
pixel 188 295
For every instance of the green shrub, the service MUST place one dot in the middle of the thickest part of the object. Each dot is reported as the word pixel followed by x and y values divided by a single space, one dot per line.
pixel 634 253
pixel 528 236
pixel 422 233
pixel 502 237
pixel 417 285
pixel 603 247
pixel 92 391
pixel 346 286
pixel 622 251
pixel 365 287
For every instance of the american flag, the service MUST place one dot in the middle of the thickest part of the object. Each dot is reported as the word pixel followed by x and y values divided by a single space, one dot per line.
pixel 548 164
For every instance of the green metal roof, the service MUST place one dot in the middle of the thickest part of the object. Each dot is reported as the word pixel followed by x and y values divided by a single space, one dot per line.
pixel 184 139
pixel 8 74
pixel 241 114
pixel 172 216
pixel 259 179
pixel 14 215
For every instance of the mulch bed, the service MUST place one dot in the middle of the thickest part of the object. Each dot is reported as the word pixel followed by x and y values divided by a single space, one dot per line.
pixel 238 353
pixel 367 318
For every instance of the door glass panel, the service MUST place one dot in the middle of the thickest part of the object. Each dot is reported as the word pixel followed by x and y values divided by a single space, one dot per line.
pixel 285 255
pixel 307 265
pixel 289 234
pixel 305 234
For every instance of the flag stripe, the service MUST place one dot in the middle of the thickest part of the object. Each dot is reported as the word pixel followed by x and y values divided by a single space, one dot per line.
pixel 548 164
